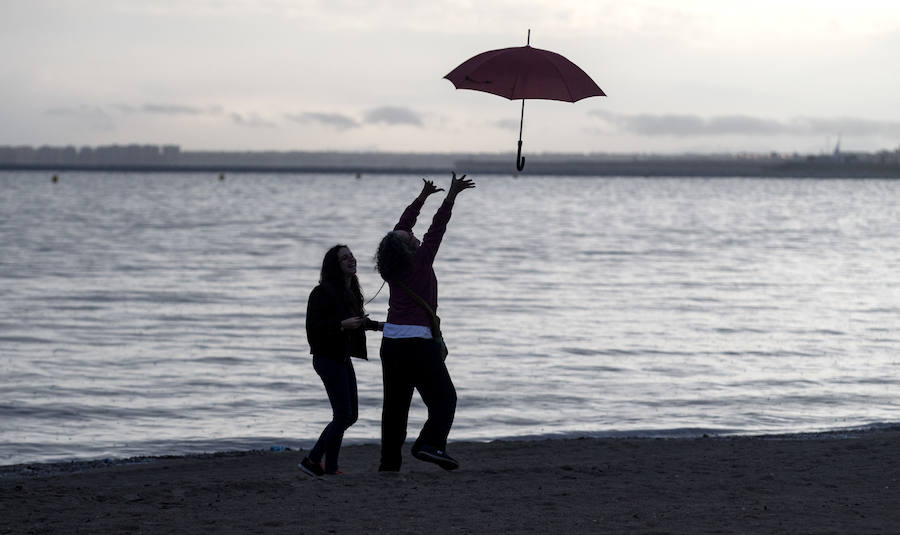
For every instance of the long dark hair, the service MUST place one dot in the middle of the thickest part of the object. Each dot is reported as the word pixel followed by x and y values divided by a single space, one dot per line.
pixel 394 257
pixel 333 274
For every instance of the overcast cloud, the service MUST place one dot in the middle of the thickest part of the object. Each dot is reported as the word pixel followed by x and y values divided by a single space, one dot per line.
pixel 170 109
pixel 78 111
pixel 393 115
pixel 365 74
pixel 92 117
pixel 695 125
pixel 335 120
pixel 251 120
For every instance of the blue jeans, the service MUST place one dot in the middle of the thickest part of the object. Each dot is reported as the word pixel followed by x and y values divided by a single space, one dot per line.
pixel 340 384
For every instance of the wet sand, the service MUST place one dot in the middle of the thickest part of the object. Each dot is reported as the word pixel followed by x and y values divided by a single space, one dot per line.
pixel 830 483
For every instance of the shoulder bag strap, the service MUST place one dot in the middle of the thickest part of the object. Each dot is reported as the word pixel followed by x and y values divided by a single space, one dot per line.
pixel 435 320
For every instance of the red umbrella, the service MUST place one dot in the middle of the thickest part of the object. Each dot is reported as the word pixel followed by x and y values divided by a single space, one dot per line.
pixel 524 72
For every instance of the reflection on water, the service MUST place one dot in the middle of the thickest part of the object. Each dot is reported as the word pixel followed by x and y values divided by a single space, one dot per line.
pixel 162 313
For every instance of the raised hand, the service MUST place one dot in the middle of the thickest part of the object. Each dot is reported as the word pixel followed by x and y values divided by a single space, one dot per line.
pixel 459 184
pixel 428 188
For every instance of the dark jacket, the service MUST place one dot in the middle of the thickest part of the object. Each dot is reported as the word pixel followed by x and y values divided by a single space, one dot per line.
pixel 326 308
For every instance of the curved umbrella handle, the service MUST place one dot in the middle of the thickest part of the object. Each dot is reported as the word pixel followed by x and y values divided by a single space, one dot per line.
pixel 520 160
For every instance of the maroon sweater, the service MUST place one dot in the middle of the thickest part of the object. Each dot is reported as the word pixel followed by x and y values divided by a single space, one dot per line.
pixel 403 309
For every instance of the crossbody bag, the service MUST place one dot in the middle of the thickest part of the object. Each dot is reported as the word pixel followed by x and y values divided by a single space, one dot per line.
pixel 435 321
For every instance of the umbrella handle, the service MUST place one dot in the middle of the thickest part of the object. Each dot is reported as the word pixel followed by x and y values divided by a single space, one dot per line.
pixel 520 160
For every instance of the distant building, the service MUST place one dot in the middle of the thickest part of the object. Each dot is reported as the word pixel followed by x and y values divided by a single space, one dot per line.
pixel 171 154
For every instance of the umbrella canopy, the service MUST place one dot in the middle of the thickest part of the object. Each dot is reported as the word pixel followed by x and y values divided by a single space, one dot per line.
pixel 524 72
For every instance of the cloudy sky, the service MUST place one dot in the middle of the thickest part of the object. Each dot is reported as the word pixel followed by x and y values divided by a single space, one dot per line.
pixel 680 75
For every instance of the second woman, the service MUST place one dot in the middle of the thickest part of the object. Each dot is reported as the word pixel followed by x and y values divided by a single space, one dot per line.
pixel 335 329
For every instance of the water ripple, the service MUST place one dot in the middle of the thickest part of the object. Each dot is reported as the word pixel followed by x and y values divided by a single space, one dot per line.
pixel 146 314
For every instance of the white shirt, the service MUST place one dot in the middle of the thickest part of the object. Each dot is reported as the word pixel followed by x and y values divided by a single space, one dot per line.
pixel 392 330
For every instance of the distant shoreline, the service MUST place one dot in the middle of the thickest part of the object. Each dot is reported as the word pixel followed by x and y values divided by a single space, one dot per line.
pixel 171 159
pixel 639 168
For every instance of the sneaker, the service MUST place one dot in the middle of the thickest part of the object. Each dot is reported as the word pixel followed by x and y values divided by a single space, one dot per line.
pixel 311 468
pixel 436 456
pixel 335 473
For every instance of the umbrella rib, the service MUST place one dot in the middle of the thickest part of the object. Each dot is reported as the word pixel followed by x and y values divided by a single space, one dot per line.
pixel 563 78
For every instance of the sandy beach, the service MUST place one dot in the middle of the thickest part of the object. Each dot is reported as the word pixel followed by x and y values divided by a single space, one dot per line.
pixel 830 483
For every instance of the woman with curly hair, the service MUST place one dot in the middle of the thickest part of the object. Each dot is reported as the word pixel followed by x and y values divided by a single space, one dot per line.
pixel 335 328
pixel 411 358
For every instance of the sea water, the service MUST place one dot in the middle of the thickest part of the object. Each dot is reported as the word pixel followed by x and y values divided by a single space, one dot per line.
pixel 150 314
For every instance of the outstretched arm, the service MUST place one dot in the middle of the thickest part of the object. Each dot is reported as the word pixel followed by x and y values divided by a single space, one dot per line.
pixel 411 213
pixel 435 234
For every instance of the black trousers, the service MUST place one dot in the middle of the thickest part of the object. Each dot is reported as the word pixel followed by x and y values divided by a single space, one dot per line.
pixel 407 364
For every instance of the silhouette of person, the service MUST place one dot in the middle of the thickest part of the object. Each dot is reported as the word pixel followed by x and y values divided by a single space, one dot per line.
pixel 335 329
pixel 410 357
